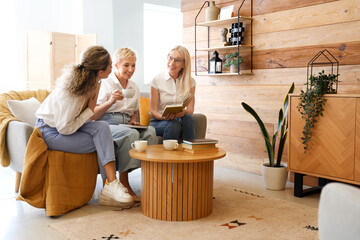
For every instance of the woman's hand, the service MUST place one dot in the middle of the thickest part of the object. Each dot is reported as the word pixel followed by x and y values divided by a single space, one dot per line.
pixel 180 114
pixel 115 96
pixel 134 123
pixel 170 116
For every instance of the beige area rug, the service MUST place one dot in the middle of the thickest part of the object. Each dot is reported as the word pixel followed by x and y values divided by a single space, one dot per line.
pixel 236 215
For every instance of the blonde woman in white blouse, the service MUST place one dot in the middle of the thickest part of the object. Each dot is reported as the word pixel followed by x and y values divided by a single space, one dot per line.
pixel 169 88
pixel 114 109
pixel 64 119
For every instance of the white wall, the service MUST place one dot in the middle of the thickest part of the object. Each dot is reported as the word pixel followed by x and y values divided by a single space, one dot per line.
pixel 118 23
pixel 127 29
pixel 98 19
pixel 19 16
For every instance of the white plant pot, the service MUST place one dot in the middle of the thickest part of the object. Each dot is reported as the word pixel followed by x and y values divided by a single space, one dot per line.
pixel 234 68
pixel 274 177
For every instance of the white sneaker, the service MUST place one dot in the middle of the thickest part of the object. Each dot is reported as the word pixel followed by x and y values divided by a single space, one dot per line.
pixel 115 194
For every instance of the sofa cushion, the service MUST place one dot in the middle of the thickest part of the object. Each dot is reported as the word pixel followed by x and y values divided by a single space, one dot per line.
pixel 24 110
pixel 144 111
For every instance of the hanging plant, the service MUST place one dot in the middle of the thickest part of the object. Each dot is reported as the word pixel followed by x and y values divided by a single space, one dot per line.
pixel 312 101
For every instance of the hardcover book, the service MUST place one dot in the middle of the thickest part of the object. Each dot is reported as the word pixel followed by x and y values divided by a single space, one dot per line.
pixel 204 150
pixel 201 141
pixel 198 146
pixel 175 108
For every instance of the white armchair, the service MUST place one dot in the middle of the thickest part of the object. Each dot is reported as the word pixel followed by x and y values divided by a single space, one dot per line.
pixel 339 212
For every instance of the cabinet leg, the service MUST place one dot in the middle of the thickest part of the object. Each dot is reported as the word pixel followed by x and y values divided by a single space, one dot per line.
pixel 298 186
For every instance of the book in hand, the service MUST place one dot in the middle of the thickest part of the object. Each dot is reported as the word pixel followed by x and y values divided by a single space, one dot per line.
pixel 203 150
pixel 134 126
pixel 176 108
pixel 200 141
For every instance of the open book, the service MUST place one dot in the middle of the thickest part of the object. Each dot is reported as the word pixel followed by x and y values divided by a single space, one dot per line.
pixel 175 108
pixel 134 126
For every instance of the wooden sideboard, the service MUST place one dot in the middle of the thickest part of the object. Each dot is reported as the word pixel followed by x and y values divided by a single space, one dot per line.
pixel 334 150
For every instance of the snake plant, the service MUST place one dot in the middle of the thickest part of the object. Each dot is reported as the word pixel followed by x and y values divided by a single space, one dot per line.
pixel 282 129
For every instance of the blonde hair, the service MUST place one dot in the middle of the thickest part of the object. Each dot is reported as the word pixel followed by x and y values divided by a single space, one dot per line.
pixel 122 53
pixel 185 73
pixel 81 79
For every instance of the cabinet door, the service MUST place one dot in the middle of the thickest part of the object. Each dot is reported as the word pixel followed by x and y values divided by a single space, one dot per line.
pixel 357 142
pixel 331 150
pixel 62 53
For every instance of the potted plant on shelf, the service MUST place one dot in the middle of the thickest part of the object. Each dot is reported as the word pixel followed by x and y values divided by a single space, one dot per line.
pixel 233 60
pixel 312 101
pixel 275 174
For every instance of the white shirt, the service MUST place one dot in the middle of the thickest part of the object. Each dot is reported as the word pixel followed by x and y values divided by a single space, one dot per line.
pixel 62 111
pixel 127 105
pixel 169 91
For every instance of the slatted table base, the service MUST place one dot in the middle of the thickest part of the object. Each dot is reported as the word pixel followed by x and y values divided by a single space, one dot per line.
pixel 177 191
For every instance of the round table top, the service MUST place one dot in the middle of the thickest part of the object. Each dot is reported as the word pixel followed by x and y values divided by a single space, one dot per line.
pixel 157 153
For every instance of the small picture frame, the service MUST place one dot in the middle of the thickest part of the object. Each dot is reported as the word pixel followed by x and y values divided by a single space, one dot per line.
pixel 226 12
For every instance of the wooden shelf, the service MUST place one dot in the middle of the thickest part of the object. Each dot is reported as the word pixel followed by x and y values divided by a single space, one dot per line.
pixel 222 74
pixel 224 47
pixel 223 22
pixel 246 49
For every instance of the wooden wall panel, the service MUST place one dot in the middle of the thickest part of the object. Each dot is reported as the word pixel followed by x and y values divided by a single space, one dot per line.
pixel 311 16
pixel 349 75
pixel 347 53
pixel 260 7
pixel 286 36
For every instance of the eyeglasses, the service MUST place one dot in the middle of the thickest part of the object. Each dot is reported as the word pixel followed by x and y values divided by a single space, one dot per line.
pixel 176 60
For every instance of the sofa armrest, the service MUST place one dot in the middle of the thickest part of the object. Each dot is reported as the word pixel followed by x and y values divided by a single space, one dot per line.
pixel 339 212
pixel 200 125
pixel 17 137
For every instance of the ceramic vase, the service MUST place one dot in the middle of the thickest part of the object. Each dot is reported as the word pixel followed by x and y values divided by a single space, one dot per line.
pixel 274 177
pixel 212 12
pixel 234 68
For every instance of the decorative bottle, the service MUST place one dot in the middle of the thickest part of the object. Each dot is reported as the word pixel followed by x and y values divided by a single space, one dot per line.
pixel 212 12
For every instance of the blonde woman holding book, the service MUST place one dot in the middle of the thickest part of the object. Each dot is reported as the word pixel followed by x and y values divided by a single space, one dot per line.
pixel 114 109
pixel 169 88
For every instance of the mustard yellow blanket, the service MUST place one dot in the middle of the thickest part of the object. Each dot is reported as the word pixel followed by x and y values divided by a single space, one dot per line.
pixel 54 180
pixel 6 116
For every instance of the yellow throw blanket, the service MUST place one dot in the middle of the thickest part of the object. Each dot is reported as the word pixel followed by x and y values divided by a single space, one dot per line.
pixel 54 180
pixel 6 116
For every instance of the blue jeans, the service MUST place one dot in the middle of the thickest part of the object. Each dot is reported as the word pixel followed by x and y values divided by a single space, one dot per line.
pixel 123 137
pixel 90 137
pixel 183 127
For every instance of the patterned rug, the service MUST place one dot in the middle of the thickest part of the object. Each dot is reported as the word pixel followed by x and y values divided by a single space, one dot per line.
pixel 236 215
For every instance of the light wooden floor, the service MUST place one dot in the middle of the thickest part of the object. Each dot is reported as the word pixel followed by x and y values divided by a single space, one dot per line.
pixel 19 220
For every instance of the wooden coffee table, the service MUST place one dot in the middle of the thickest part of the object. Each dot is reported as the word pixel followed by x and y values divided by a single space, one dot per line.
pixel 176 185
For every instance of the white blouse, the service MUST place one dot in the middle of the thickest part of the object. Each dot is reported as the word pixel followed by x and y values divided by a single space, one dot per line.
pixel 62 111
pixel 126 105
pixel 169 91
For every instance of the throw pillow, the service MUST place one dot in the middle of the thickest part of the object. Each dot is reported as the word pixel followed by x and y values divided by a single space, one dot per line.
pixel 144 111
pixel 24 110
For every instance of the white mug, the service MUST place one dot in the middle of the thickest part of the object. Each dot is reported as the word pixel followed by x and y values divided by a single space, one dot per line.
pixel 128 93
pixel 170 144
pixel 139 145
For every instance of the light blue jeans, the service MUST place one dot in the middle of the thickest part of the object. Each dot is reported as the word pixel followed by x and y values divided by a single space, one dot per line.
pixel 123 137
pixel 90 137
pixel 183 127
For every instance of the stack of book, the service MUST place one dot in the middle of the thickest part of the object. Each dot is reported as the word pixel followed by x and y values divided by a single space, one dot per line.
pixel 204 145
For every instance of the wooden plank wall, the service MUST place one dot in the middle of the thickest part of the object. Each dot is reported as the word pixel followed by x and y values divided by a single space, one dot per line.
pixel 287 35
